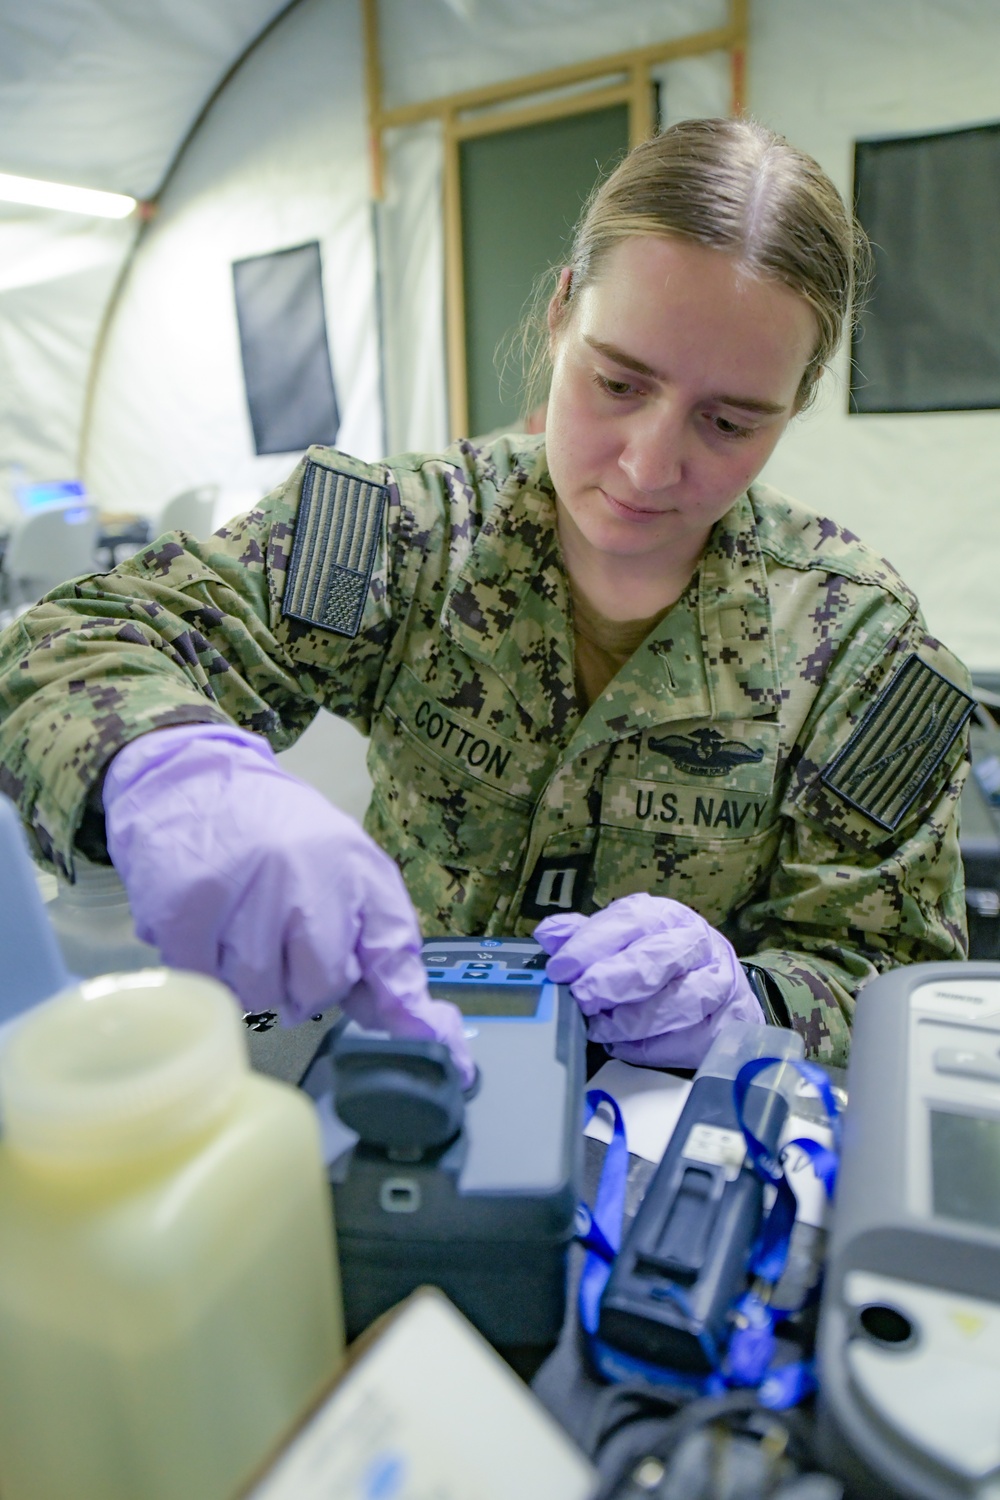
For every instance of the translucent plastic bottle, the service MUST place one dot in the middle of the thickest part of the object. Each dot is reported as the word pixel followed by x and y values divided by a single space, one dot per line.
pixel 93 924
pixel 169 1301
pixel 31 965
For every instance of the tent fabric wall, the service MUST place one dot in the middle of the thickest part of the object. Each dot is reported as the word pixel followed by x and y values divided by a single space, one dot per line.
pixel 435 47
pixel 411 260
pixel 57 273
pixel 279 160
pixel 924 488
pixel 99 94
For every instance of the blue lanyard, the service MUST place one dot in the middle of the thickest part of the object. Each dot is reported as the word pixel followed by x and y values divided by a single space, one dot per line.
pixel 770 1253
pixel 600 1231
pixel 600 1234
pixel 748 1359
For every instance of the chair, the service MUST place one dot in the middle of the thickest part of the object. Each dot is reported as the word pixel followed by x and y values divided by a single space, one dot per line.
pixel 122 536
pixel 44 549
pixel 191 511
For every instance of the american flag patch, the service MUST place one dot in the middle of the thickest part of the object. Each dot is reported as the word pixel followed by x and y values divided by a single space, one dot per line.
pixel 336 539
pixel 899 743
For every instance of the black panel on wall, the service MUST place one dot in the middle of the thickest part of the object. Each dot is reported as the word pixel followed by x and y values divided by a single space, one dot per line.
pixel 286 357
pixel 929 339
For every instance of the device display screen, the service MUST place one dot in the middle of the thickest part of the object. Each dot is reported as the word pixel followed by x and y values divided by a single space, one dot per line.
pixel 489 999
pixel 965 1165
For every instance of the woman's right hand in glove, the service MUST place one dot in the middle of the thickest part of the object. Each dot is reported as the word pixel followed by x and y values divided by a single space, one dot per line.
pixel 236 869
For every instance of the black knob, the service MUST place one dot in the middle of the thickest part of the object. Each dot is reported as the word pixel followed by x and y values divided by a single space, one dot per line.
pixel 401 1096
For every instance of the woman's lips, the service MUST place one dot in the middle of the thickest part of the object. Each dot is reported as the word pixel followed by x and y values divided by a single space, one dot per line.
pixel 630 512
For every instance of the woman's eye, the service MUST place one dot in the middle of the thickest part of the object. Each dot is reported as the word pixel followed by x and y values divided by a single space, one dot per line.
pixel 728 428
pixel 615 387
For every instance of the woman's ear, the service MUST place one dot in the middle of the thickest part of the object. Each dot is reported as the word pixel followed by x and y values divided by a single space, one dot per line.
pixel 559 299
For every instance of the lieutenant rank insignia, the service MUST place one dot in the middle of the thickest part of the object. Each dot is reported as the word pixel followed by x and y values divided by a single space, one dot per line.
pixel 336 539
pixel 899 743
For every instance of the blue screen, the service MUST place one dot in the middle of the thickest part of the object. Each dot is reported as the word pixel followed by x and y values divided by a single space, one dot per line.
pixel 48 492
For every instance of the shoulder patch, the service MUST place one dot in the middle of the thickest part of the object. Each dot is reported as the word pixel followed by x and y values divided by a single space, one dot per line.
pixel 899 743
pixel 336 538
pixel 796 536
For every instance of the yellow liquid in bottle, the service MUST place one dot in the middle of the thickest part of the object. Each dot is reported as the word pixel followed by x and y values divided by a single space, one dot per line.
pixel 165 1318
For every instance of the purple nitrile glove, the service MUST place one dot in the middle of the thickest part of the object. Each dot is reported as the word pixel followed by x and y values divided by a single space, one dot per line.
pixel 236 869
pixel 655 981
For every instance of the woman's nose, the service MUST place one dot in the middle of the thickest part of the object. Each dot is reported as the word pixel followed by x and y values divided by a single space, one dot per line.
pixel 653 455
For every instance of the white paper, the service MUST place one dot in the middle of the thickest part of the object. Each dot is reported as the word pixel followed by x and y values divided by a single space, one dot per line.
pixel 650 1102
pixel 811 1203
pixel 429 1412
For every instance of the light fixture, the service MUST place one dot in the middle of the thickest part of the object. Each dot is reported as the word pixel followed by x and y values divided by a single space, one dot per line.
pixel 74 200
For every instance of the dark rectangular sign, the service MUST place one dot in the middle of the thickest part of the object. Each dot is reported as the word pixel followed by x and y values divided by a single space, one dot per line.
pixel 929 338
pixel 286 358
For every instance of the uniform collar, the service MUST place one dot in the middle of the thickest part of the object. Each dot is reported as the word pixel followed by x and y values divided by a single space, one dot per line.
pixel 711 656
pixel 509 606
pixel 734 605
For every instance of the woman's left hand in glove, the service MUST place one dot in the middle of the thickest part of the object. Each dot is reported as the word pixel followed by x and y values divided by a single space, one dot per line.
pixel 654 979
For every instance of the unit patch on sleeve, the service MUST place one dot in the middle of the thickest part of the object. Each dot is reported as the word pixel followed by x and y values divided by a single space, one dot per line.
pixel 336 539
pixel 899 743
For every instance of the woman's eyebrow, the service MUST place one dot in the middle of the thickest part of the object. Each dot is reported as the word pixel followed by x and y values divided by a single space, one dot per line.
pixel 629 362
pixel 751 403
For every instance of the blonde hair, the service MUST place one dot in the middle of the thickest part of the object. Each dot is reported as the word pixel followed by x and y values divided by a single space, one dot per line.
pixel 735 186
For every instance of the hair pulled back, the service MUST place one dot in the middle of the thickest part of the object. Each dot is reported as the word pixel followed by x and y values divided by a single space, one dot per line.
pixel 735 186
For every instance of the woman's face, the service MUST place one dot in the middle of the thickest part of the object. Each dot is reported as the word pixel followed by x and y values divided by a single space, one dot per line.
pixel 674 375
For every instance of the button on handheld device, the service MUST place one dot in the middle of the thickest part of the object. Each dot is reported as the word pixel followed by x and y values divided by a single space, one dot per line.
pixel 475 1194
pixel 909 1336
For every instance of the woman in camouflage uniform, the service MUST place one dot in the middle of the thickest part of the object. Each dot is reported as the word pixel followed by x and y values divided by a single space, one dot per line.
pixel 610 681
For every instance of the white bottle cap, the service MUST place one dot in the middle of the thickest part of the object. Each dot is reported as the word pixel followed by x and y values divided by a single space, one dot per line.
pixel 120 1066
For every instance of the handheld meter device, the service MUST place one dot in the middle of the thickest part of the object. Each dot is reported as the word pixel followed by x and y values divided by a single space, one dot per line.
pixel 683 1261
pixel 477 1195
pixel 909 1336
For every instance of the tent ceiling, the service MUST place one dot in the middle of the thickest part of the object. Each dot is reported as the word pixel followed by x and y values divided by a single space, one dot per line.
pixel 103 92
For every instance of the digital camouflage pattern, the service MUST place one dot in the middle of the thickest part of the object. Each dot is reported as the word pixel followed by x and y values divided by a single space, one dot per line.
pixel 699 774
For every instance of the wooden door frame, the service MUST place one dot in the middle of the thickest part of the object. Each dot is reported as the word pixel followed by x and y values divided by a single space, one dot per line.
pixel 617 78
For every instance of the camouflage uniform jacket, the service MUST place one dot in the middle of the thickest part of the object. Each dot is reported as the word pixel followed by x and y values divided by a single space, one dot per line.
pixel 784 752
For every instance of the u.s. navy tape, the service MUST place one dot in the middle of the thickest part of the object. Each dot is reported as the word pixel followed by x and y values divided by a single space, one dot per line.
pixel 336 539
pixel 899 743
